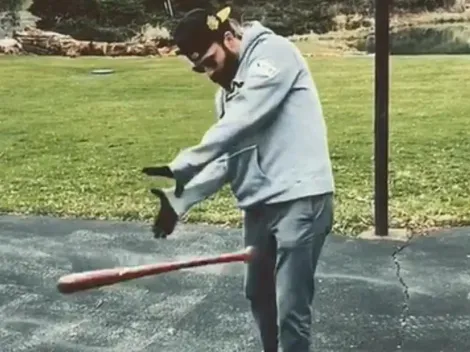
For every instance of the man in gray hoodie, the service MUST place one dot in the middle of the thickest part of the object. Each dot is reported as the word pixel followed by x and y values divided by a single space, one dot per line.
pixel 269 143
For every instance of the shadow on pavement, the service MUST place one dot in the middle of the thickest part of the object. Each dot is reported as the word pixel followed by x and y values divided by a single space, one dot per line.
pixel 371 296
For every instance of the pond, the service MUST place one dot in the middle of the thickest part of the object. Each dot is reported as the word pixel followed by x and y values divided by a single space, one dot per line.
pixel 435 39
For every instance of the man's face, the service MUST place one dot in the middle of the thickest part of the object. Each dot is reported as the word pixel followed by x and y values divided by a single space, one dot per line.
pixel 219 63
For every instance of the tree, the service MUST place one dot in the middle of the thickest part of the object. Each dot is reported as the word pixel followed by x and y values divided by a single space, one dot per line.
pixel 9 17
pixel 10 5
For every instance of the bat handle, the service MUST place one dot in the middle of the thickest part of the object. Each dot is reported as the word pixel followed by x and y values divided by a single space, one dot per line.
pixel 250 253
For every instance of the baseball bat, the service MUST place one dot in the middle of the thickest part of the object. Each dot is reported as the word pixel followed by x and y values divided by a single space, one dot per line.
pixel 103 277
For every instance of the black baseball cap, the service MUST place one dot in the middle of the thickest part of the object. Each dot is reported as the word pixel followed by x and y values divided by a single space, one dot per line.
pixel 198 30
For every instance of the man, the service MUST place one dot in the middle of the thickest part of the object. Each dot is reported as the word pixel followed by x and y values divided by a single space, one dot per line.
pixel 270 144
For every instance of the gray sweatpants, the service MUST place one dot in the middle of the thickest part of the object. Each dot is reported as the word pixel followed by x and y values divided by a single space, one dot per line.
pixel 279 282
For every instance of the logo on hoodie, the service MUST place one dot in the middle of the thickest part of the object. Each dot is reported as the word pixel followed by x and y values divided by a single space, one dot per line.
pixel 263 68
pixel 234 88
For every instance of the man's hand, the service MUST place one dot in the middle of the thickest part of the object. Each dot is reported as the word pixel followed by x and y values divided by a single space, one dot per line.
pixel 164 171
pixel 166 219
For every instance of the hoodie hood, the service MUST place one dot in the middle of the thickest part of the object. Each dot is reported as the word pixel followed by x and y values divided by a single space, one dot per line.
pixel 253 33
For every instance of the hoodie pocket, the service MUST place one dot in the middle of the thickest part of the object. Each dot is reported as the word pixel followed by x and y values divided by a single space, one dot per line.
pixel 245 174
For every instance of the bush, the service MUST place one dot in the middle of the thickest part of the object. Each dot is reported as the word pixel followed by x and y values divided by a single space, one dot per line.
pixel 99 20
pixel 118 20
pixel 366 7
pixel 111 20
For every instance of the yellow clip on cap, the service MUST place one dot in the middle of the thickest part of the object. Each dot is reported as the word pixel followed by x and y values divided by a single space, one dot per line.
pixel 224 14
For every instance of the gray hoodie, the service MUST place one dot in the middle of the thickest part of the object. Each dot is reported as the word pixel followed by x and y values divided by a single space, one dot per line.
pixel 270 140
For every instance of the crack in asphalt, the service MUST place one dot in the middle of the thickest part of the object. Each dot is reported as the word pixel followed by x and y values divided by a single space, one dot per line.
pixel 406 295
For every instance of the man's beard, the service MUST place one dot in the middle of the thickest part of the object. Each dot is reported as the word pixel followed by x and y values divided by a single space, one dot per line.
pixel 225 76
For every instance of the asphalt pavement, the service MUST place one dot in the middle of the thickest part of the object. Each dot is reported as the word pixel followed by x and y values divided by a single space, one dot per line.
pixel 375 296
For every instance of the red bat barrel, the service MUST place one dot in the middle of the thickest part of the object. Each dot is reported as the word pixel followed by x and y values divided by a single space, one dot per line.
pixel 96 278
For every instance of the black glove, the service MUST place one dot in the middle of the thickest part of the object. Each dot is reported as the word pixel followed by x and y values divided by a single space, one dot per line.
pixel 166 219
pixel 164 171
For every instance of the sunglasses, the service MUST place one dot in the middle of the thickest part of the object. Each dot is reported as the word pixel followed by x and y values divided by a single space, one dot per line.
pixel 207 62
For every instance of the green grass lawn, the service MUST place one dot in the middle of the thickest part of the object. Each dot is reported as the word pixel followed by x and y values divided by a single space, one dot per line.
pixel 73 144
